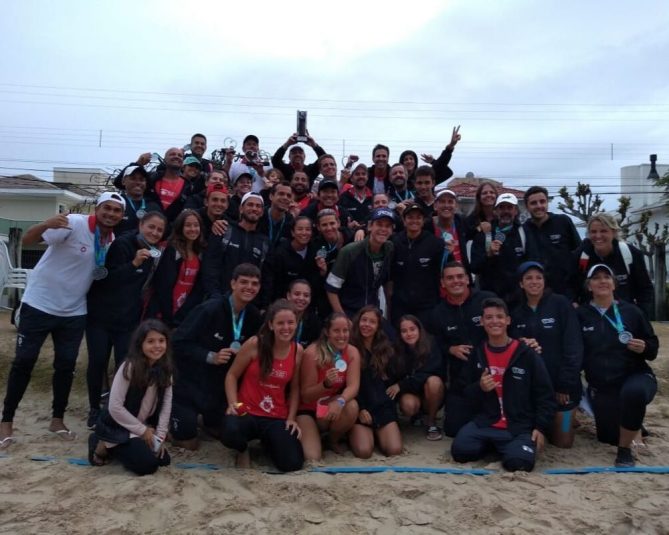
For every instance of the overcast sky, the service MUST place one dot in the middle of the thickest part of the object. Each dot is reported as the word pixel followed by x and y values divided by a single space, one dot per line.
pixel 545 92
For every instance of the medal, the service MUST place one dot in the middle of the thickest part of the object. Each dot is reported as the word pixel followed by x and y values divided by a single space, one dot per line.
pixel 447 236
pixel 341 365
pixel 392 205
pixel 625 337
pixel 235 346
pixel 99 273
pixel 237 325
pixel 140 213
pixel 322 253
pixel 154 252
pixel 500 236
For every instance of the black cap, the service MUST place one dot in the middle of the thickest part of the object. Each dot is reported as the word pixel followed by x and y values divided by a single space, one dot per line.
pixel 413 207
pixel 251 137
pixel 323 184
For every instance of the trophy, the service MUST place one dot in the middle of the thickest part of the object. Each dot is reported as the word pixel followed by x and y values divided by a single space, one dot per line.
pixel 301 126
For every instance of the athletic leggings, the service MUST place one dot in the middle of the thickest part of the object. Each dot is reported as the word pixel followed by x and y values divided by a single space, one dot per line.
pixel 623 406
pixel 137 457
pixel 34 327
pixel 100 342
pixel 284 448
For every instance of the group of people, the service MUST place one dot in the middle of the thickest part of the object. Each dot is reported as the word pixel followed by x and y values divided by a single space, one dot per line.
pixel 308 309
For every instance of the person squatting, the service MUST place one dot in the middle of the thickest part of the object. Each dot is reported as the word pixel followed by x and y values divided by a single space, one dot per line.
pixel 309 310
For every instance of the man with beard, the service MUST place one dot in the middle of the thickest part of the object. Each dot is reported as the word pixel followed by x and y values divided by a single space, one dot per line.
pixel 133 187
pixel 362 267
pixel 168 190
pixel 358 199
pixel 54 304
pixel 556 239
pixel 213 213
pixel 398 193
pixel 250 163
pixel 296 158
pixel 496 256
pixel 277 220
pixel 456 324
pixel 299 183
pixel 241 243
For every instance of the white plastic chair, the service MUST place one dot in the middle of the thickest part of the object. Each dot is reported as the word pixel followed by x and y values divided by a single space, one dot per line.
pixel 11 277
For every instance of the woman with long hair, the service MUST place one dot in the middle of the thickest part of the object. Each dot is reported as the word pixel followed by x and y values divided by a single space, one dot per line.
pixel 330 378
pixel 264 404
pixel 176 283
pixel 308 323
pixel 377 420
pixel 419 372
pixel 481 217
pixel 134 427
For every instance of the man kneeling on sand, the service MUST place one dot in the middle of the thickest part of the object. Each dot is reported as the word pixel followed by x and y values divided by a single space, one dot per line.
pixel 512 391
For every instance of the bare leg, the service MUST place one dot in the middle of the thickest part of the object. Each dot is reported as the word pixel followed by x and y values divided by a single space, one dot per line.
pixel 243 459
pixel 562 431
pixel 409 404
pixel 434 396
pixel 390 439
pixel 191 444
pixel 343 425
pixel 361 439
pixel 311 438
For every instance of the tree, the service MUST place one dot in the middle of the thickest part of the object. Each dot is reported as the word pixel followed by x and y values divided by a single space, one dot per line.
pixel 582 205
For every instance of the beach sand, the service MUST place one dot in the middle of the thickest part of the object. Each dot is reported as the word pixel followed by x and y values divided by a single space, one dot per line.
pixel 55 496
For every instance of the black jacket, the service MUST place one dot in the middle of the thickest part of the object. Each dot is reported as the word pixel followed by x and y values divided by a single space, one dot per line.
pixel 371 178
pixel 461 231
pixel 207 328
pixel 116 301
pixel 633 286
pixel 311 169
pixel 312 209
pixel 555 326
pixel 282 266
pixel 416 271
pixel 358 211
pixel 411 376
pixel 498 273
pixel 556 240
pixel 454 325
pixel 226 252
pixel 164 279
pixel 606 361
pixel 441 169
pixel 130 222
pixel 276 232
pixel 528 397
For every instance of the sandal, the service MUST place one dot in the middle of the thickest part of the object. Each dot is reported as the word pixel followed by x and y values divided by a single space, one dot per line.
pixel 93 457
pixel 434 433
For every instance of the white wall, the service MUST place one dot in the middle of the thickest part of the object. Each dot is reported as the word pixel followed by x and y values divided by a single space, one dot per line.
pixel 634 182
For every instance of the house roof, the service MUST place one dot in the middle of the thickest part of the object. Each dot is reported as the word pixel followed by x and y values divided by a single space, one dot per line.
pixel 25 182
pixel 466 187
pixel 29 184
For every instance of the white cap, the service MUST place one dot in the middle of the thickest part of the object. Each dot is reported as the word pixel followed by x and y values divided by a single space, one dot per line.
pixel 110 196
pixel 506 197
pixel 250 195
pixel 599 267
pixel 132 168
pixel 443 190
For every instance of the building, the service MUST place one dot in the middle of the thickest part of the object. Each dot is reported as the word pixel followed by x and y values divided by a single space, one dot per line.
pixel 465 188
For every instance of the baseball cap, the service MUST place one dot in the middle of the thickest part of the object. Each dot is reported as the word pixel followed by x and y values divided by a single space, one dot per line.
pixel 251 137
pixel 216 187
pixel 133 169
pixel 413 207
pixel 441 191
pixel 327 184
pixel 506 197
pixel 250 195
pixel 243 175
pixel 526 266
pixel 380 213
pixel 599 267
pixel 110 196
pixel 192 160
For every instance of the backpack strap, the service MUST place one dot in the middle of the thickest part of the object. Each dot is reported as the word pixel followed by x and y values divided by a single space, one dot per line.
pixel 626 253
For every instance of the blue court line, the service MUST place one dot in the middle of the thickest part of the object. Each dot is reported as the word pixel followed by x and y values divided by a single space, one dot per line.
pixel 198 466
pixel 401 469
pixel 609 469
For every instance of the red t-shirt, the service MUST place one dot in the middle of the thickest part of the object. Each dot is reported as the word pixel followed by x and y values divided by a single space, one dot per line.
pixel 185 281
pixel 497 364
pixel 266 396
pixel 337 385
pixel 168 191
pixel 455 254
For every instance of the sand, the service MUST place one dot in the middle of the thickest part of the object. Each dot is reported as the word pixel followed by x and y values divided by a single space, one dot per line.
pixel 55 496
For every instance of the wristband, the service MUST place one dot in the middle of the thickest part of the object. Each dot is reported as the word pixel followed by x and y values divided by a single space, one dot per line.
pixel 210 357
pixel 341 401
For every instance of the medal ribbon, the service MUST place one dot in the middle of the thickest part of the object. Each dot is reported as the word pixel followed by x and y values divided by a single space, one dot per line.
pixel 134 208
pixel 618 324
pixel 237 322
pixel 100 250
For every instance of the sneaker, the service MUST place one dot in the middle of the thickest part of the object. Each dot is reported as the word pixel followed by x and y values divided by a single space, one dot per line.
pixel 92 418
pixel 434 433
pixel 624 458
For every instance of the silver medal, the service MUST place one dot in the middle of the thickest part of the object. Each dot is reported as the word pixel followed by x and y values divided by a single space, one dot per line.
pixel 235 346
pixel 447 236
pixel 625 337
pixel 322 253
pixel 99 273
pixel 140 213
pixel 500 236
pixel 341 365
pixel 154 252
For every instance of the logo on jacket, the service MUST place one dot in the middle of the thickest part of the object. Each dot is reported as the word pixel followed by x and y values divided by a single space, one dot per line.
pixel 424 260
pixel 518 371
pixel 218 336
pixel 586 329
pixel 476 320
pixel 450 328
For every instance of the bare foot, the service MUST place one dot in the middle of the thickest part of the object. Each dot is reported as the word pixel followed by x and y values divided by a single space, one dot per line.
pixel 60 429
pixel 244 459
pixel 6 430
pixel 191 444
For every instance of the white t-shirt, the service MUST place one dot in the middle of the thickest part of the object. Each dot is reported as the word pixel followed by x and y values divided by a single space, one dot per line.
pixel 238 167
pixel 59 283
